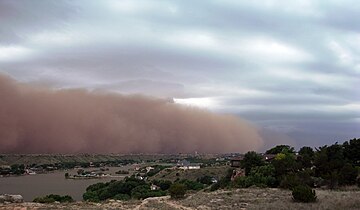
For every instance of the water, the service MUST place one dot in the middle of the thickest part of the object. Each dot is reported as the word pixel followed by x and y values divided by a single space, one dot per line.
pixel 32 186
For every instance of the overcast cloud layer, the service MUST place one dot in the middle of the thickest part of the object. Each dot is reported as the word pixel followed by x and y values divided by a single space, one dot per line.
pixel 291 67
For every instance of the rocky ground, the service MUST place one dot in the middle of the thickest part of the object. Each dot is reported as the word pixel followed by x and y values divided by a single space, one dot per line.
pixel 252 198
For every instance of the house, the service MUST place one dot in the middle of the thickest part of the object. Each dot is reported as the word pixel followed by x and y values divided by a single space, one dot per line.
pixel 268 157
pixel 194 166
pixel 185 165
pixel 236 161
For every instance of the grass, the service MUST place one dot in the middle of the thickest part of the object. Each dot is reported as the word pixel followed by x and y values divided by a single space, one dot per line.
pixel 168 174
pixel 250 198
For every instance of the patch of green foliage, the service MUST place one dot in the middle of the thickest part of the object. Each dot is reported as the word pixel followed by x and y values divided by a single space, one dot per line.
pixel 163 184
pixel 130 187
pixel 191 185
pixel 304 194
pixel 251 159
pixel 177 190
pixel 53 198
pixel 205 180
pixel 331 166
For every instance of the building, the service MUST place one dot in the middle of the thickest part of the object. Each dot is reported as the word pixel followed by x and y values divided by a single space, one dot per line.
pixel 268 157
pixel 186 165
pixel 236 161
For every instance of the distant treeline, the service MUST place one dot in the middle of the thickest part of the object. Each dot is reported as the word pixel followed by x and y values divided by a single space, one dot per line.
pixel 41 159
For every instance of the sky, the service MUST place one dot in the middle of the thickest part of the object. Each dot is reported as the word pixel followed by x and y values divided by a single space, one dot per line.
pixel 289 67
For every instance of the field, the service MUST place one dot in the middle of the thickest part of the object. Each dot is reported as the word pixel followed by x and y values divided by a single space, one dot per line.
pixel 250 198
pixel 172 175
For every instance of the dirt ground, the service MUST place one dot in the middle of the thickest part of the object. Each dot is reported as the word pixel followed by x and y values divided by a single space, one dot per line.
pixel 251 198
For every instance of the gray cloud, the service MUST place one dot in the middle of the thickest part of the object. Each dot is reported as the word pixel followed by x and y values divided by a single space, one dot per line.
pixel 286 66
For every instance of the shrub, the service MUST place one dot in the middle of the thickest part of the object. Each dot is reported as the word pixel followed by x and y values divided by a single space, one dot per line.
pixel 215 186
pixel 205 180
pixel 303 194
pixel 125 189
pixel 91 196
pixel 123 197
pixel 191 185
pixel 348 175
pixel 290 181
pixel 177 190
pixel 52 198
pixel 163 184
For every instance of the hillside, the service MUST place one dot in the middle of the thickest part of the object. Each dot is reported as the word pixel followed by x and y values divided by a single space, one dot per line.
pixel 250 198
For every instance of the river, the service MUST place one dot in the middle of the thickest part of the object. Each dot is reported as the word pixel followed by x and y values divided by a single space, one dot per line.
pixel 32 186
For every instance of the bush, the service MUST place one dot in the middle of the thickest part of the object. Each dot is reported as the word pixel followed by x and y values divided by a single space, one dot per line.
pixel 205 180
pixel 215 186
pixel 303 194
pixel 163 184
pixel 52 198
pixel 191 185
pixel 348 175
pixel 125 189
pixel 177 190
pixel 290 181
pixel 123 197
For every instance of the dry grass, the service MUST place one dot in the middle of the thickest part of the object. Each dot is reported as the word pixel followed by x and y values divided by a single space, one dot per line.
pixel 272 199
pixel 251 198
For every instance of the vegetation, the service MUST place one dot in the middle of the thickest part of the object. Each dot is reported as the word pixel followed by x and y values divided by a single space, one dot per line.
pixel 251 159
pixel 163 184
pixel 177 190
pixel 332 166
pixel 191 185
pixel 157 169
pixel 122 172
pixel 303 193
pixel 280 149
pixel 130 187
pixel 54 198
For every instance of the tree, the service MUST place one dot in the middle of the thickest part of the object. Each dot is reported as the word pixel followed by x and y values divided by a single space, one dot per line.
pixel 329 160
pixel 348 175
pixel 306 157
pixel 280 149
pixel 177 190
pixel 352 151
pixel 284 163
pixel 251 159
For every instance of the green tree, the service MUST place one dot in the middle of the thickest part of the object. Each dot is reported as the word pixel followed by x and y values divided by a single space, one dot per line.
pixel 177 190
pixel 251 159
pixel 284 163
pixel 348 175
pixel 306 157
pixel 352 151
pixel 329 160
pixel 280 149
